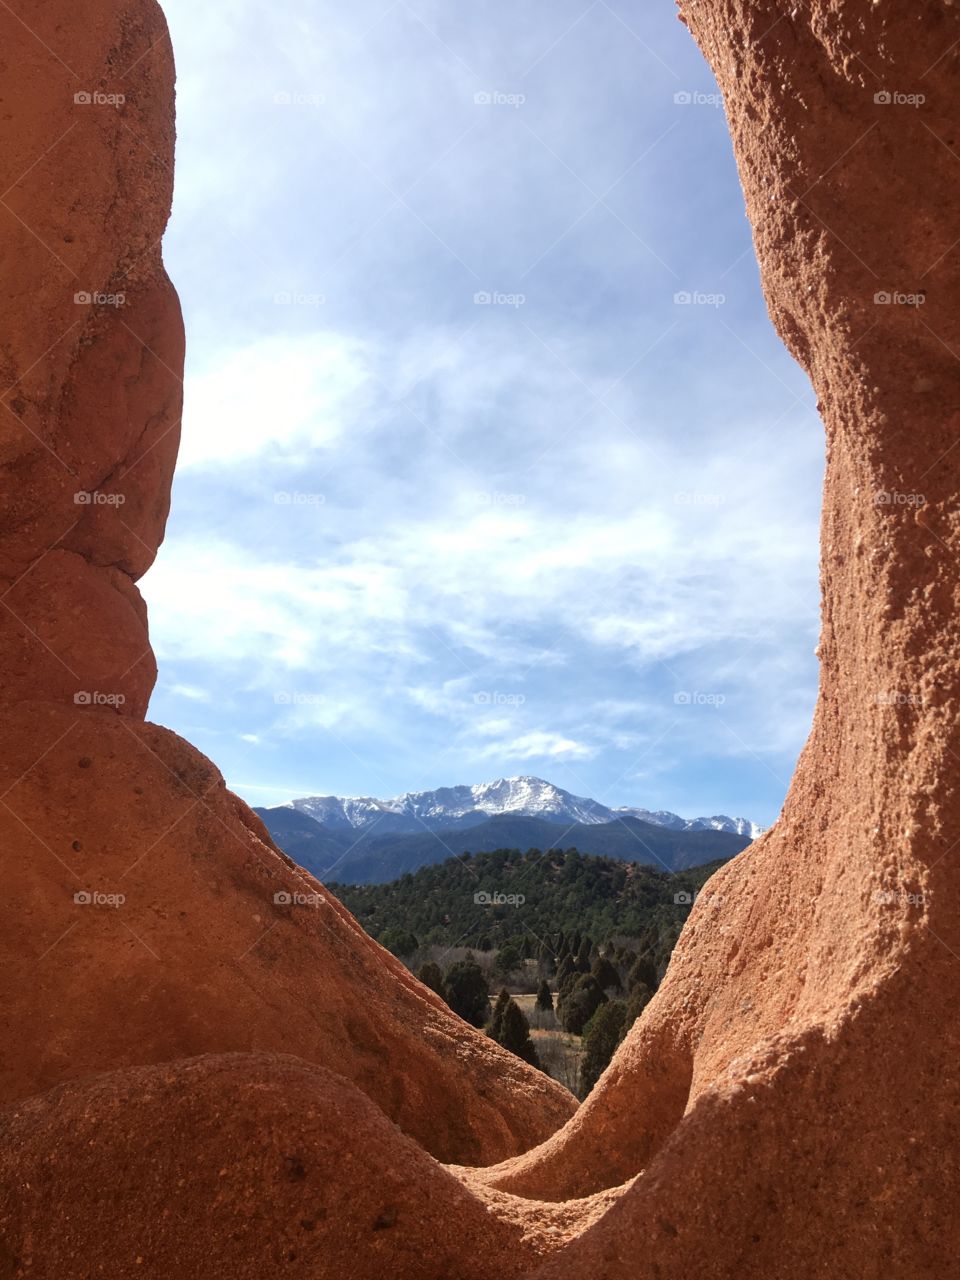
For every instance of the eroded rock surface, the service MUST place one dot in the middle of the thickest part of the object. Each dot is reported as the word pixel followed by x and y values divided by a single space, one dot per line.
pixel 787 1107
pixel 146 915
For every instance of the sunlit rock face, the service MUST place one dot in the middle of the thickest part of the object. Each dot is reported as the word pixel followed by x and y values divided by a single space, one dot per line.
pixel 204 1047
pixel 146 915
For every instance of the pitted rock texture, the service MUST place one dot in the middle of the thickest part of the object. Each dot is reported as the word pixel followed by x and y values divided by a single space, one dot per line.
pixel 91 370
pixel 788 1106
pixel 147 915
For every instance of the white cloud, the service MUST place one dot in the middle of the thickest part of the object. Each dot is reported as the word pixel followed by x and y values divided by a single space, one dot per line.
pixel 280 395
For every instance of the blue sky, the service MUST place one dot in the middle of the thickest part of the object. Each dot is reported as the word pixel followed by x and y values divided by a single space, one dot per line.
pixel 467 488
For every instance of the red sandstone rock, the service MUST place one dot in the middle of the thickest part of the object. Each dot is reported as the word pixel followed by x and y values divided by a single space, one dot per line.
pixel 201 956
pixel 241 1166
pixel 787 1107
pixel 219 943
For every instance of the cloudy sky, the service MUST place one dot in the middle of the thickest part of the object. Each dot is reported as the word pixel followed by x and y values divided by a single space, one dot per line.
pixel 492 463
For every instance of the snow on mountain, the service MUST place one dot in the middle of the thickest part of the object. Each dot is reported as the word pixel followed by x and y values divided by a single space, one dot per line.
pixel 465 806
pixel 719 822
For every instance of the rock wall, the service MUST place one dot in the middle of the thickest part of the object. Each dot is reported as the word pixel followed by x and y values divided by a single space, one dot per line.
pixel 787 1106
pixel 146 915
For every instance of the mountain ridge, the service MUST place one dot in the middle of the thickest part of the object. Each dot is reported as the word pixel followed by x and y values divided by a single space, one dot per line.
pixel 468 805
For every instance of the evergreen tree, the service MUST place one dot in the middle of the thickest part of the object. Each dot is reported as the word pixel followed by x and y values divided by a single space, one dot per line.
pixel 399 941
pixel 508 959
pixel 431 975
pixel 606 975
pixel 566 972
pixel 545 998
pixel 638 999
pixel 466 991
pixel 577 1005
pixel 515 1034
pixel 583 956
pixel 495 1027
pixel 643 973
pixel 601 1036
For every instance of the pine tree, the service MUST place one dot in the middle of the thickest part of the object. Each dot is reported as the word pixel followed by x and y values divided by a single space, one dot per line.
pixel 566 972
pixel 431 975
pixel 579 1003
pixel 606 975
pixel 515 1034
pixel 601 1036
pixel 643 973
pixel 466 991
pixel 640 996
pixel 545 998
pixel 495 1027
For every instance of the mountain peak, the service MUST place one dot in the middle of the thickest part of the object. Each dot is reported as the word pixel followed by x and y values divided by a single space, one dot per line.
pixel 466 805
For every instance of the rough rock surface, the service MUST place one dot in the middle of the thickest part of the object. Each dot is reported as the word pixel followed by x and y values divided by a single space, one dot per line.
pixel 812 1001
pixel 788 1107
pixel 219 942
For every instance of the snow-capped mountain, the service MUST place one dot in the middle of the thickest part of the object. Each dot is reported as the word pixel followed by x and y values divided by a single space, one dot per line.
pixel 719 822
pixel 466 806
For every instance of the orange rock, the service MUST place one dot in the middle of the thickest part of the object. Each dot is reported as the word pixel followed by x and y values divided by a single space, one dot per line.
pixel 787 1106
pixel 147 915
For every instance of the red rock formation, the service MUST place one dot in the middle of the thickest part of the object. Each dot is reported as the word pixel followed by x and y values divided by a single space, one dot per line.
pixel 812 1001
pixel 787 1107
pixel 220 942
